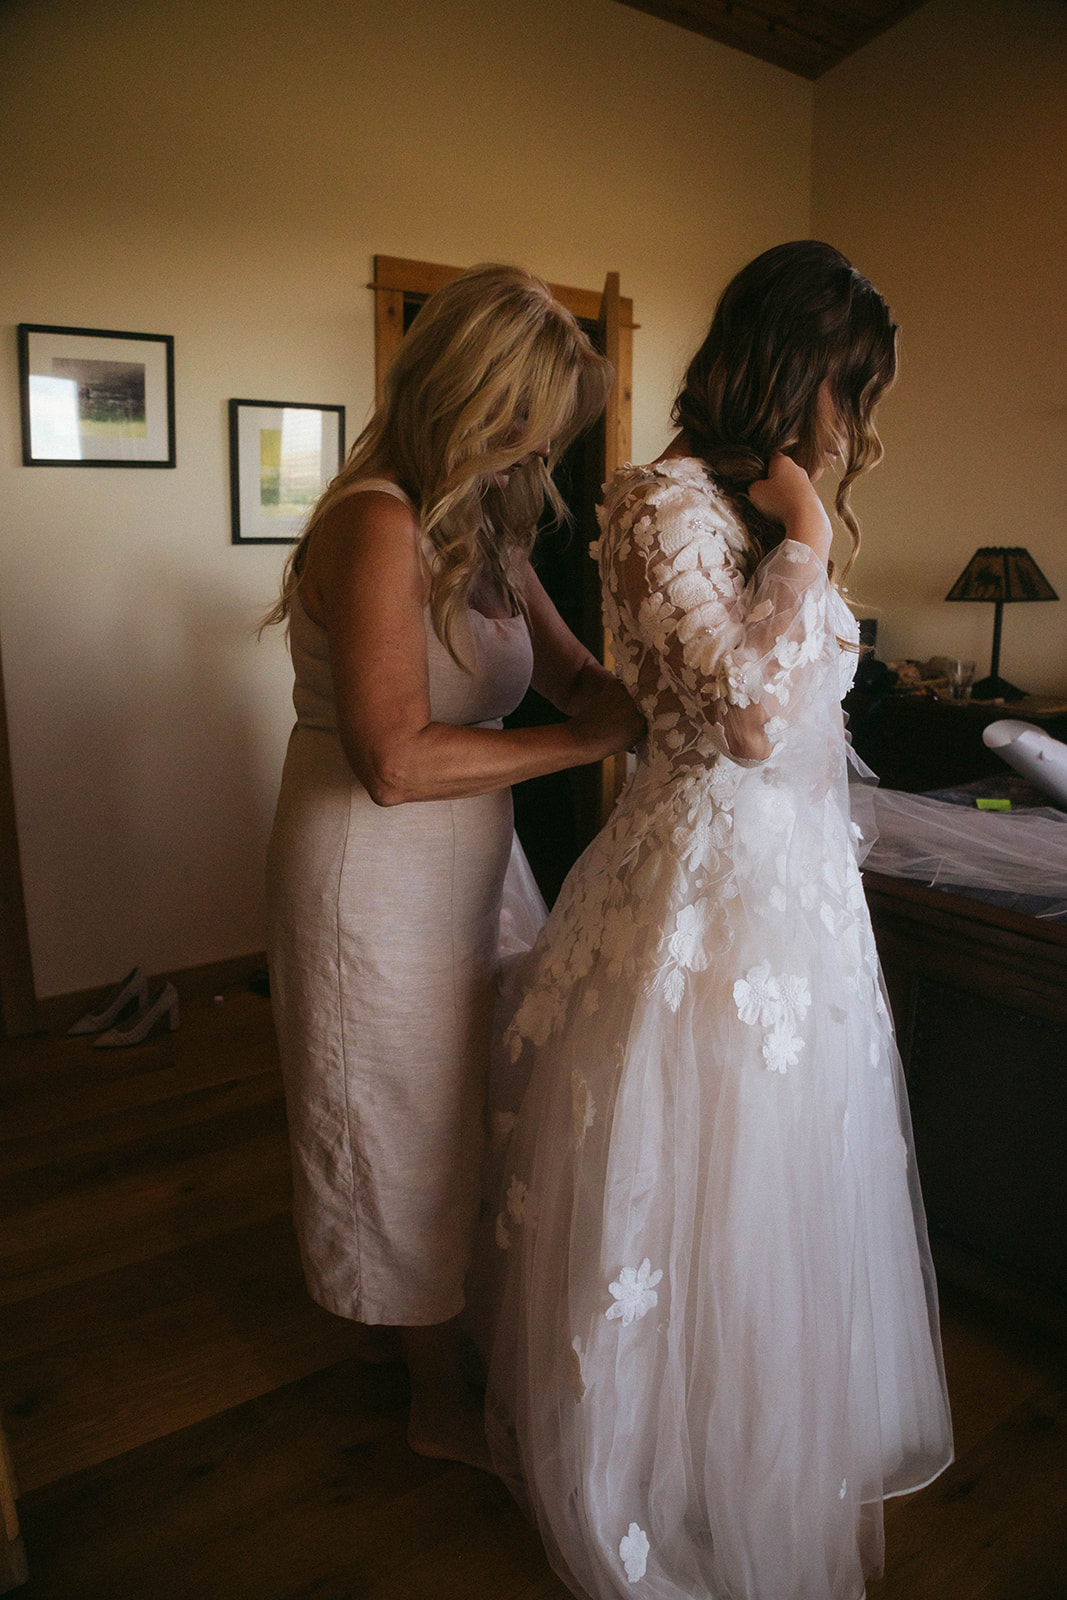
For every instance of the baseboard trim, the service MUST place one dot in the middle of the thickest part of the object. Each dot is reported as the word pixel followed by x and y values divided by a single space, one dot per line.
pixel 57 1012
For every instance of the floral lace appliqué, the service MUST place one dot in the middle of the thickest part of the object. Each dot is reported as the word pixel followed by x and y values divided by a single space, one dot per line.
pixel 633 1552
pixel 778 1006
pixel 634 1292
pixel 711 650
pixel 514 1211
pixel 583 1107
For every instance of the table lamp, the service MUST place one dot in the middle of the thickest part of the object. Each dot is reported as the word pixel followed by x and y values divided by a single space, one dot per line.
pixel 1002 575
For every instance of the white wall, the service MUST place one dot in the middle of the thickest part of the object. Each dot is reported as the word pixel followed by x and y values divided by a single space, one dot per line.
pixel 940 168
pixel 224 171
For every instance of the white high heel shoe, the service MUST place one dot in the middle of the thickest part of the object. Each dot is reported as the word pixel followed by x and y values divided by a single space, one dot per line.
pixel 134 986
pixel 165 1004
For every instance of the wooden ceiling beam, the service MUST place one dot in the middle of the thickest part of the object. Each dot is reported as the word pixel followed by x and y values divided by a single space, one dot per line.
pixel 805 37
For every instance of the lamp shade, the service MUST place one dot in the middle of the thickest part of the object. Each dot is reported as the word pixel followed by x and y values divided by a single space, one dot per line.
pixel 1000 574
pixel 1005 573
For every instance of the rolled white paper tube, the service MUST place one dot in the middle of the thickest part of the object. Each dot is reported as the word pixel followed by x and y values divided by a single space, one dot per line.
pixel 1033 753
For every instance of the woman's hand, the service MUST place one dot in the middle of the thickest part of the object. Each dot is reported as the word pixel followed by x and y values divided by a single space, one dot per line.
pixel 365 582
pixel 611 719
pixel 602 714
pixel 787 495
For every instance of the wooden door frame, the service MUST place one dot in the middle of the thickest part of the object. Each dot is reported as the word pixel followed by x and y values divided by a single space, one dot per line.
pixel 395 276
pixel 18 1000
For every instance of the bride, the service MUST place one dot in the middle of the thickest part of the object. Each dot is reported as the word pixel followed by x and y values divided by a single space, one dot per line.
pixel 717 1349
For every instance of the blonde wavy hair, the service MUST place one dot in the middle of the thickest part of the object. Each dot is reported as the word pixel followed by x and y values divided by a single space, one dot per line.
pixel 492 368
pixel 797 316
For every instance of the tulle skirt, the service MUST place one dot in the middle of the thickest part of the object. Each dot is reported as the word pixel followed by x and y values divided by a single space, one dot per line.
pixel 716 1347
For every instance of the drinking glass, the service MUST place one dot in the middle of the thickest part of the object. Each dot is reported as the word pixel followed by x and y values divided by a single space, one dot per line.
pixel 960 679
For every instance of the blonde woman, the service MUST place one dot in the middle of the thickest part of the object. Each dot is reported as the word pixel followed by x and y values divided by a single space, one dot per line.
pixel 416 623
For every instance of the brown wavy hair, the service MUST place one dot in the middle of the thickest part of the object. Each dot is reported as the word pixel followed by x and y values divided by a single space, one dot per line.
pixel 797 316
pixel 491 369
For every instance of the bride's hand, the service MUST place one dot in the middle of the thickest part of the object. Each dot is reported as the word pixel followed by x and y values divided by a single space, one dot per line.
pixel 787 495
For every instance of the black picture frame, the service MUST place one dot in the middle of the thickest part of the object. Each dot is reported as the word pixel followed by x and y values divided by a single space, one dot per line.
pixel 96 397
pixel 273 487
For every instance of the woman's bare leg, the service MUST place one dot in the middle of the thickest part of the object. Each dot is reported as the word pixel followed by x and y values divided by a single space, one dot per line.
pixel 446 1420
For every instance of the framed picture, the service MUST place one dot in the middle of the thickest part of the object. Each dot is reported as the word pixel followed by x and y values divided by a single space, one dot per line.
pixel 282 455
pixel 92 397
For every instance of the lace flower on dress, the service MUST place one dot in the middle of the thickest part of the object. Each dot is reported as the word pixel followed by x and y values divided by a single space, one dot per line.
pixel 777 1005
pixel 758 997
pixel 515 1205
pixel 583 1107
pixel 634 1292
pixel 704 833
pixel 781 1049
pixel 700 931
pixel 686 943
pixel 656 620
pixel 616 937
pixel 633 1552
pixel 534 1020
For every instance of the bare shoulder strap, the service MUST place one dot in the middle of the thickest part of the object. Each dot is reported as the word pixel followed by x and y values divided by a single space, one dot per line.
pixel 382 485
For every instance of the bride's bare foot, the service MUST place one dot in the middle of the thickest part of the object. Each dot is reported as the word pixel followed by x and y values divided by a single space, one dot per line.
pixel 453 1432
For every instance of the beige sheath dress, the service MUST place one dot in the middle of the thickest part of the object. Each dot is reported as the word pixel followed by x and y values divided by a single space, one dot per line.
pixel 383 930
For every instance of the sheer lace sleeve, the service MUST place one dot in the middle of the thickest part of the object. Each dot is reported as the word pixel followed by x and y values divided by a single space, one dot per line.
pixel 699 645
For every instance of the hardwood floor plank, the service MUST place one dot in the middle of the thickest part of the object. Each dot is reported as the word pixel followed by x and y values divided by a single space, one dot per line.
pixel 191 1427
pixel 145 1350
pixel 108 1301
pixel 92 1082
pixel 994 1362
pixel 1003 1503
pixel 310 1490
pixel 100 1180
pixel 250 1184
pixel 110 1130
pixel 1037 1575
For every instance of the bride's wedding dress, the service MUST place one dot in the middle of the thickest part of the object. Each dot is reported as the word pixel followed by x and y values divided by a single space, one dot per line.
pixel 717 1348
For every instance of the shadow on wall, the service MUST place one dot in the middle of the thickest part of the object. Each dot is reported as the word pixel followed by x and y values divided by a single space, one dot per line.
pixel 163 789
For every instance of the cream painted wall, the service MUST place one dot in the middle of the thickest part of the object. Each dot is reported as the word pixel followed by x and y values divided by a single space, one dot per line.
pixel 223 171
pixel 940 168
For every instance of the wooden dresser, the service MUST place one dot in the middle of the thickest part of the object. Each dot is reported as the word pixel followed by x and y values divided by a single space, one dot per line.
pixel 979 996
pixel 917 742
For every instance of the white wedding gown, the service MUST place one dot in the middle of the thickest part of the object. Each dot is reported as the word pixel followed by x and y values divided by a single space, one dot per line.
pixel 717 1345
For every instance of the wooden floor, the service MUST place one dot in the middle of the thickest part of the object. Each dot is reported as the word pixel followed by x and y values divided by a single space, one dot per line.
pixel 188 1426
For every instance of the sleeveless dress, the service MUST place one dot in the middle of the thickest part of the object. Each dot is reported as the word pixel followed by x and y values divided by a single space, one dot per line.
pixel 717 1346
pixel 383 929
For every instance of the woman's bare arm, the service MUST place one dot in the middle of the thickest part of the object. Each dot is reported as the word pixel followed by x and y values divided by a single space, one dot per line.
pixel 567 674
pixel 365 581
